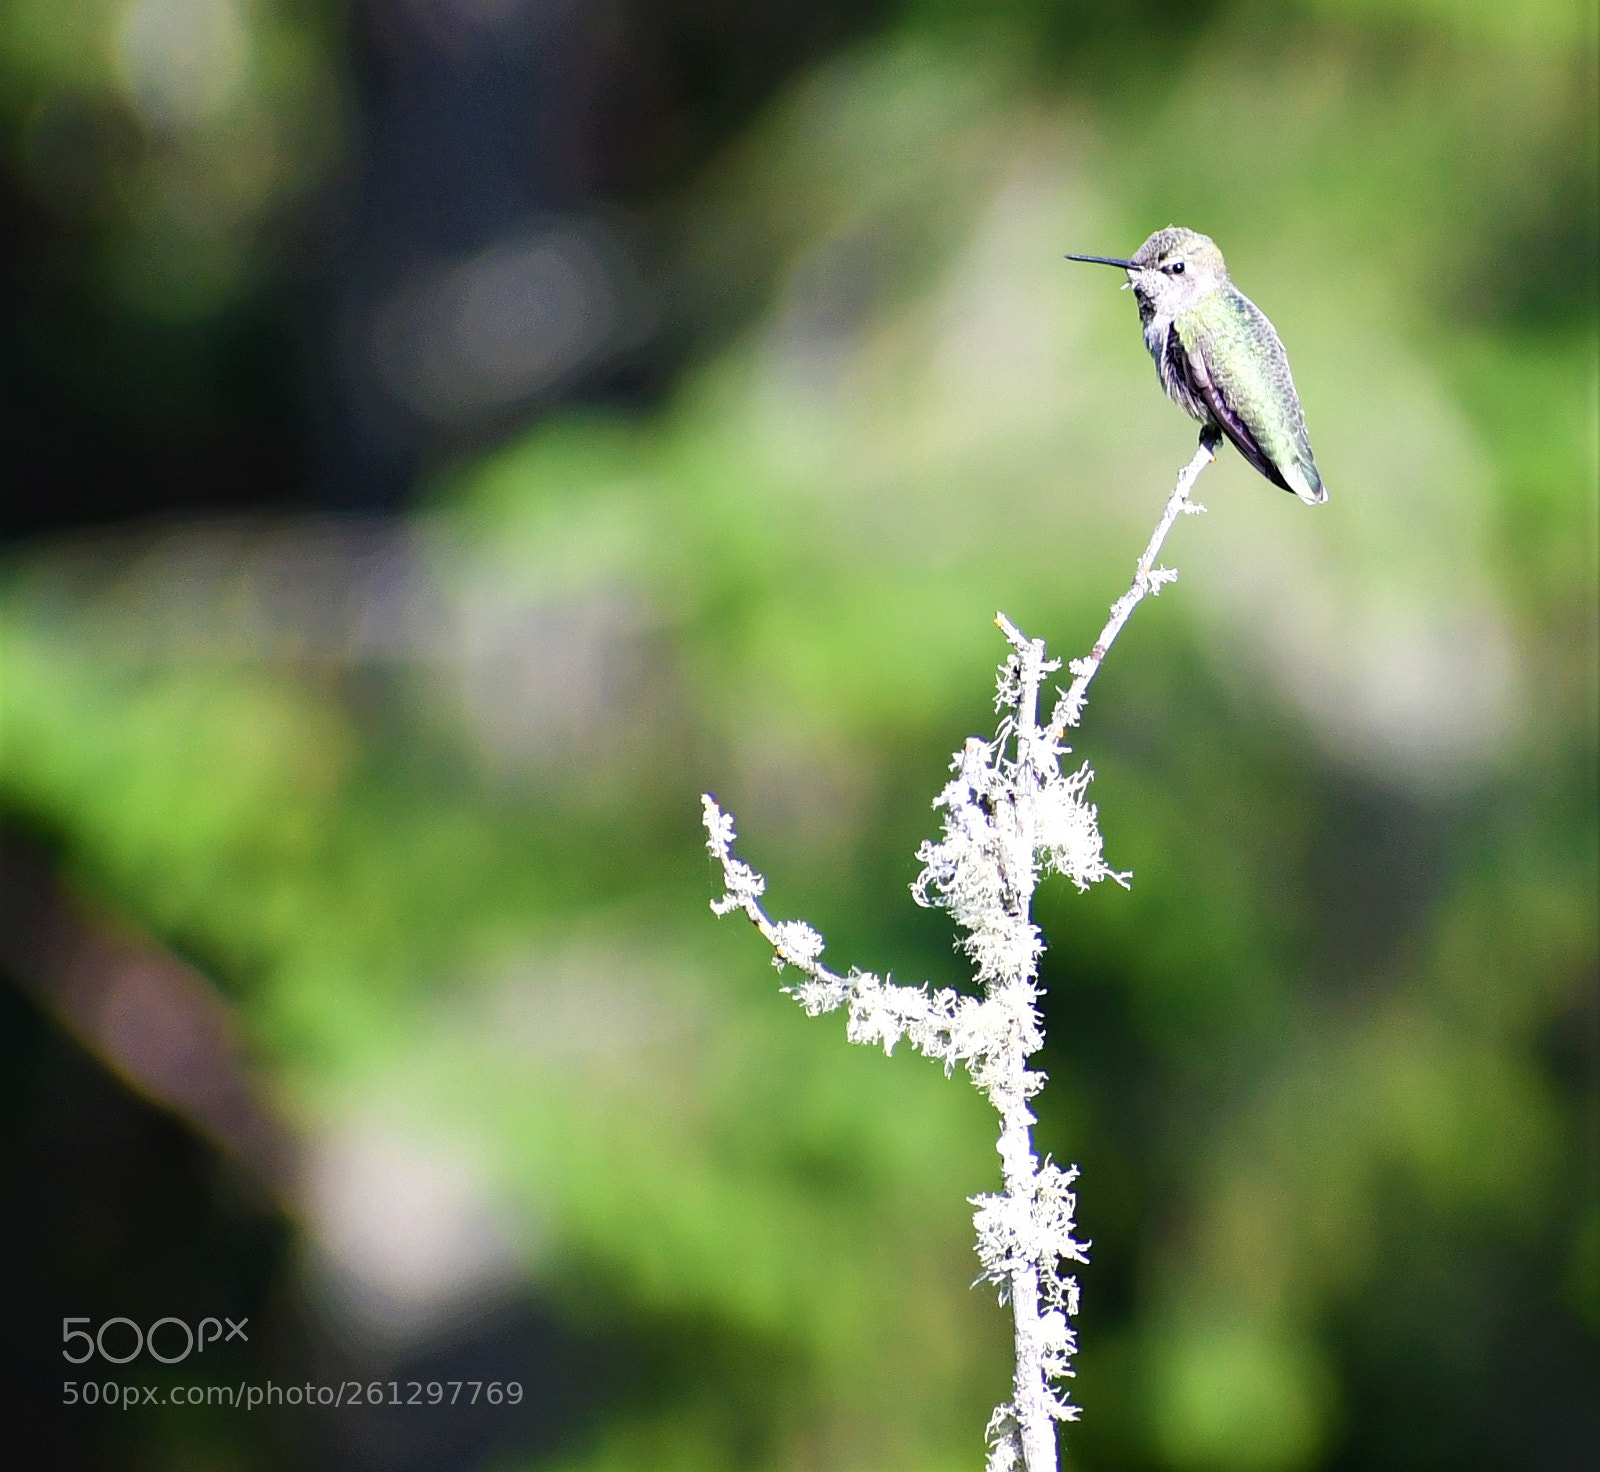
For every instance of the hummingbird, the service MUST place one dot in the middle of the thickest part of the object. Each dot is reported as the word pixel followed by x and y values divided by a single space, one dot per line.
pixel 1218 357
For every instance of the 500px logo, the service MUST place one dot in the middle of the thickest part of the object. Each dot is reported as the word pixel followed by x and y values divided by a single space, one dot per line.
pixel 193 1340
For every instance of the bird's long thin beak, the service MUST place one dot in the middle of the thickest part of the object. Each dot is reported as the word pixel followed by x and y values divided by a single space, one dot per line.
pixel 1105 261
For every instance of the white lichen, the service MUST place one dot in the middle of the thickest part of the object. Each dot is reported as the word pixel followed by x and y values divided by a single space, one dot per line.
pixel 1011 815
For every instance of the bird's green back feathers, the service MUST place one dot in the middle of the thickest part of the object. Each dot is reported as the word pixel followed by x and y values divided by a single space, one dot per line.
pixel 1230 338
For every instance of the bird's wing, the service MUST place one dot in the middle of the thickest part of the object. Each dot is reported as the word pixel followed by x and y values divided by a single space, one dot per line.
pixel 1242 374
pixel 1201 371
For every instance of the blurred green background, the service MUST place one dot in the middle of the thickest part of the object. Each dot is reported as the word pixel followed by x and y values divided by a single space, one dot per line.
pixel 443 437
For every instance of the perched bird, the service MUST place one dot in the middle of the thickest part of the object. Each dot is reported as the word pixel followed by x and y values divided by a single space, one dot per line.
pixel 1218 357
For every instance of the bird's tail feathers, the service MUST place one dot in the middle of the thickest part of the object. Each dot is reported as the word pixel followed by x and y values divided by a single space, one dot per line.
pixel 1306 482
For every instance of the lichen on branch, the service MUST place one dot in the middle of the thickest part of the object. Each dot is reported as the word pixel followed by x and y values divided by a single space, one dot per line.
pixel 1011 816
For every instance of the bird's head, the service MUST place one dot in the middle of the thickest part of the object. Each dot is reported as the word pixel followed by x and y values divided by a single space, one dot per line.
pixel 1171 271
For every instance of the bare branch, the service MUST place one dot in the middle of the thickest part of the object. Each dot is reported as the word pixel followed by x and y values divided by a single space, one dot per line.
pixel 1147 578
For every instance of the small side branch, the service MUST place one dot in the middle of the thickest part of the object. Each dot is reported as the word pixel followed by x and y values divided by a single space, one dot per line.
pixel 1148 578
pixel 943 1024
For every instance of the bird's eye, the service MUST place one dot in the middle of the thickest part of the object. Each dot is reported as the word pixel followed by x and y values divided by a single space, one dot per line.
pixel 1175 269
